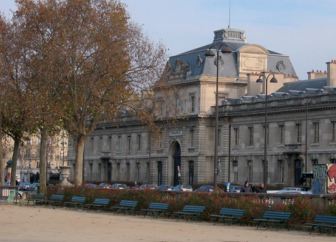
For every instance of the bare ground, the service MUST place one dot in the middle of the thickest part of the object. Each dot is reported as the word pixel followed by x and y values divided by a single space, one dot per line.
pixel 43 224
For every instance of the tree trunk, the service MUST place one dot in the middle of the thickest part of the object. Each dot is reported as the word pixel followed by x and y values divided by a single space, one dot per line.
pixel 2 164
pixel 14 160
pixel 43 161
pixel 79 160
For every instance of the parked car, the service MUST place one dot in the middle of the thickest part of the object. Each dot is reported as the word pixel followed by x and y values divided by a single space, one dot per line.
pixel 165 188
pixel 289 190
pixel 104 186
pixel 205 188
pixel 148 187
pixel 235 188
pixel 182 188
pixel 26 186
pixel 119 186
pixel 90 185
pixel 229 187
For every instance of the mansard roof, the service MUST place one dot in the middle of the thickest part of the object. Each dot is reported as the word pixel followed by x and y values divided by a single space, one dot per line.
pixel 195 62
pixel 303 85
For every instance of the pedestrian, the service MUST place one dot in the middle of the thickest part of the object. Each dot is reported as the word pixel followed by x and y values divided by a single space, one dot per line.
pixel 246 187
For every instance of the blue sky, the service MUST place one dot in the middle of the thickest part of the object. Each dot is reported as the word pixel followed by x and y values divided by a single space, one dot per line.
pixel 303 29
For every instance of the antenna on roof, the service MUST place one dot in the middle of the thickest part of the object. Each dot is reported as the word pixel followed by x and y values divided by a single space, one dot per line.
pixel 229 14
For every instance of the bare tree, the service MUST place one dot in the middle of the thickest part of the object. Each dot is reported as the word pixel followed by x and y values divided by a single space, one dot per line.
pixel 15 112
pixel 38 22
pixel 106 63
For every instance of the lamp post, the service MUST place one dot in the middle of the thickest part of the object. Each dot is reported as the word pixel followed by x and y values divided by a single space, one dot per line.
pixel 306 134
pixel 221 48
pixel 263 78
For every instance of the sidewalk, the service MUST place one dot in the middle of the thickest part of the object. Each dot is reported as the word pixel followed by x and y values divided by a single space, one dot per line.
pixel 20 223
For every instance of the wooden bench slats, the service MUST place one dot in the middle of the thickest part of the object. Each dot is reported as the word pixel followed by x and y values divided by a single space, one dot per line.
pixel 76 200
pixel 126 205
pixel 156 208
pixel 191 210
pixel 278 217
pixel 229 213
pixel 55 199
pixel 323 221
pixel 99 203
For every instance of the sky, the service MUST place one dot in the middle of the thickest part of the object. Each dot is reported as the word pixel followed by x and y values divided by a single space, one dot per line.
pixel 302 29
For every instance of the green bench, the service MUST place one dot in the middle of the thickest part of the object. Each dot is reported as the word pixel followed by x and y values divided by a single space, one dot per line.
pixel 323 222
pixel 156 209
pixel 98 203
pixel 125 206
pixel 273 217
pixel 190 211
pixel 55 199
pixel 231 214
pixel 76 201
pixel 37 199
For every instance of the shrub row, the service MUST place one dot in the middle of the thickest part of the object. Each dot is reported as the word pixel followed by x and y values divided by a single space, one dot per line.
pixel 303 209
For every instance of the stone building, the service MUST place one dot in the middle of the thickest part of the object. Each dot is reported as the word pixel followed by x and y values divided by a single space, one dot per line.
pixel 28 160
pixel 182 151
pixel 301 123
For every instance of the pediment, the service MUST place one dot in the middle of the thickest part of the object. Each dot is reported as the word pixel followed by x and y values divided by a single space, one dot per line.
pixel 253 49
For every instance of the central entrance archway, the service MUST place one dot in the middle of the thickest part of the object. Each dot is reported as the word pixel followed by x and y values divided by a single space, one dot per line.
pixel 176 157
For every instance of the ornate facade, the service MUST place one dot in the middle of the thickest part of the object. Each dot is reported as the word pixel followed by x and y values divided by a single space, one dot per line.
pixel 182 151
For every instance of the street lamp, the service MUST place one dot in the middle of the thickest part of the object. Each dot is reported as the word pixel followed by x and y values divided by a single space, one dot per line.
pixel 263 78
pixel 308 101
pixel 222 48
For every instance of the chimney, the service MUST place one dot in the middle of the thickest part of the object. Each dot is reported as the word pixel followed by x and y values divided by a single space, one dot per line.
pixel 331 73
pixel 316 74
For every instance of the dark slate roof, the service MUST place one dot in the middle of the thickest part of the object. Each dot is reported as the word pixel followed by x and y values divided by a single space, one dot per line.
pixel 200 64
pixel 302 85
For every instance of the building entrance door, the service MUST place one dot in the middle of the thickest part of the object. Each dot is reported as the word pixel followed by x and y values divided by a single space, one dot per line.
pixel 107 172
pixel 297 172
pixel 177 163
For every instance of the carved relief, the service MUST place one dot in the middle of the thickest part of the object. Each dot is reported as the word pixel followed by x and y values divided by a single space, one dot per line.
pixel 252 62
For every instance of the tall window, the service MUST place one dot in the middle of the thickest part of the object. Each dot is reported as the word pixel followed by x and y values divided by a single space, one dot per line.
pixel 129 144
pixel 219 136
pixel 192 131
pixel 110 143
pixel 191 173
pixel 147 172
pixel 333 131
pixel 281 170
pixel 192 102
pixel 91 171
pixel 119 143
pixel 99 171
pixel 235 171
pixel 298 133
pixel 101 144
pixel 128 171
pixel 251 138
pixel 159 173
pixel 282 133
pixel 139 141
pixel 267 134
pixel 92 144
pixel 314 162
pixel 236 136
pixel 250 170
pixel 160 139
pixel 118 171
pixel 316 126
